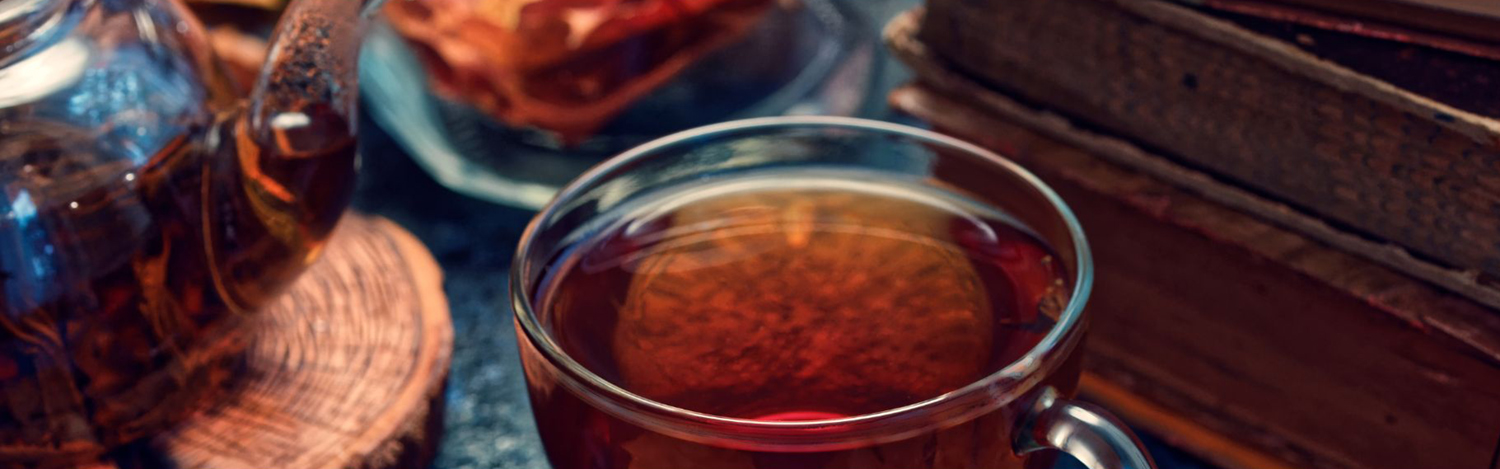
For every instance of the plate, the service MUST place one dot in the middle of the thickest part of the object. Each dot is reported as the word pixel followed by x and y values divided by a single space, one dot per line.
pixel 810 57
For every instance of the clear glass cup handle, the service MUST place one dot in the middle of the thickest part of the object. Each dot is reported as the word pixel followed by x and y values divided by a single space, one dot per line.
pixel 1084 431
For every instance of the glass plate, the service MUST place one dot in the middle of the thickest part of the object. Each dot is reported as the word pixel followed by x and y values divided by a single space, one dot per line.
pixel 813 59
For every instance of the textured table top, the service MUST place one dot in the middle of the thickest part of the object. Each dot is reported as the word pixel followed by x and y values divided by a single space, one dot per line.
pixel 488 421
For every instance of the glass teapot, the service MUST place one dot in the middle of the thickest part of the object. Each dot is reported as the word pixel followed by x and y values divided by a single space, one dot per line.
pixel 147 209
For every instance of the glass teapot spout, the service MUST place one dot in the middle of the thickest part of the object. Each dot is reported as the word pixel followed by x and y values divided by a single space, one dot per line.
pixel 305 100
pixel 292 148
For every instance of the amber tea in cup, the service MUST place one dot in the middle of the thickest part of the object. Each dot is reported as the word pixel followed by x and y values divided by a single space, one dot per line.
pixel 803 293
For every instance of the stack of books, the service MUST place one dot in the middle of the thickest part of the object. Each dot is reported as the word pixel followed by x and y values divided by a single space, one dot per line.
pixel 1295 205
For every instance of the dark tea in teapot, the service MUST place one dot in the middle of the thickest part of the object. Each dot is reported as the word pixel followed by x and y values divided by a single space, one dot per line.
pixel 148 212
pixel 117 283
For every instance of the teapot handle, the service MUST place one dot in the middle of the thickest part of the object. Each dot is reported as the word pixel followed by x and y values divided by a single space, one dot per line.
pixel 1084 431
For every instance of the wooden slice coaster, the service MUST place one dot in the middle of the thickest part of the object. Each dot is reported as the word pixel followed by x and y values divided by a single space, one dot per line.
pixel 346 370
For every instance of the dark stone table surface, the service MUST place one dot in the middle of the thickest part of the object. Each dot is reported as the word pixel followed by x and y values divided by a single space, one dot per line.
pixel 488 420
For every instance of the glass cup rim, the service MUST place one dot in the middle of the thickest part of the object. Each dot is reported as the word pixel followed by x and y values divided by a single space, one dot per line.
pixel 1061 335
